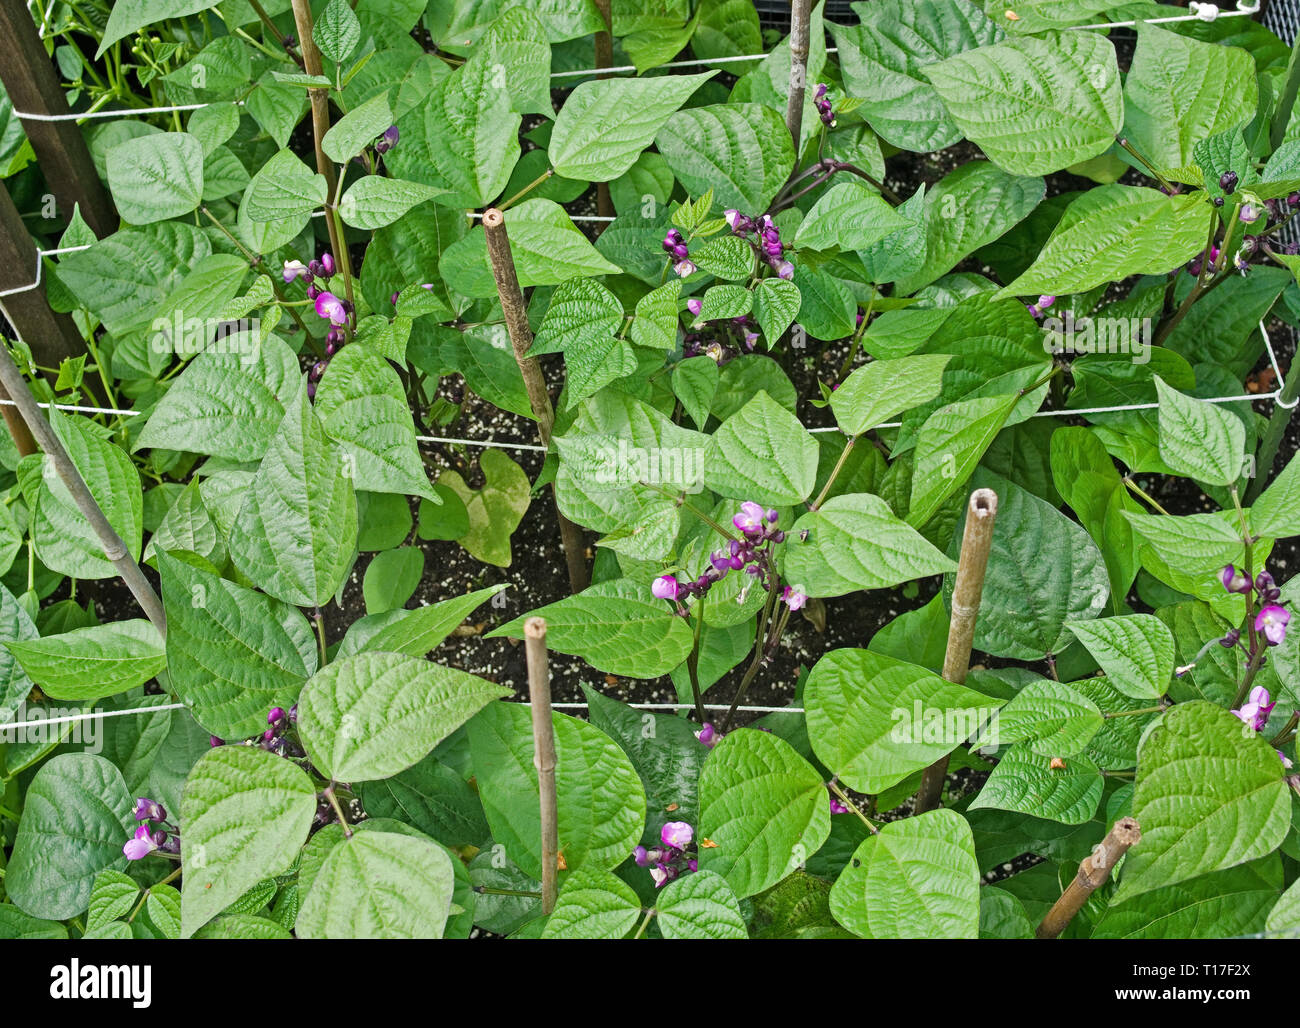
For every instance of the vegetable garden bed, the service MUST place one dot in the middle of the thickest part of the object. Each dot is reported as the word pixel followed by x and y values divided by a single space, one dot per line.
pixel 890 488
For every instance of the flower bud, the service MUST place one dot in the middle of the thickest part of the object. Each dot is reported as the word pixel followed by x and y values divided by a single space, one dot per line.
pixel 665 587
pixel 1228 182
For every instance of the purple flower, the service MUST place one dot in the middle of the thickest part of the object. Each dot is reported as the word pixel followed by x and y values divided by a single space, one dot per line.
pixel 313 291
pixel 327 264
pixel 1267 588
pixel 677 834
pixel 1286 761
pixel 708 735
pixel 317 370
pixel 294 270
pixel 276 715
pixel 683 268
pixel 793 598
pixel 388 140
pixel 785 270
pixel 659 875
pixel 214 741
pixel 140 845
pixel 1231 639
pixel 695 305
pixel 693 864
pixel 1256 709
pixel 716 352
pixel 837 807
pixel 665 587
pixel 149 810
pixel 330 306
pixel 640 857
pixel 1249 214
pixel 1234 580
pixel 1272 621
pixel 733 216
pixel 750 519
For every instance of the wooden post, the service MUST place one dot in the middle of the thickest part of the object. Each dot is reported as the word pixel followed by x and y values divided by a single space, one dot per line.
pixel 114 548
pixel 604 59
pixel 539 692
pixel 1094 871
pixel 34 88
pixel 977 540
pixel 800 13
pixel 521 340
pixel 51 336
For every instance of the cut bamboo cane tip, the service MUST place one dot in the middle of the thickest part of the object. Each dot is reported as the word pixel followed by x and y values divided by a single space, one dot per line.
pixel 535 628
pixel 1127 832
pixel 984 503
pixel 493 218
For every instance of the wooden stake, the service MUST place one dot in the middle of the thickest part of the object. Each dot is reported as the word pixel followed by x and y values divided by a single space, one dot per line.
pixel 1093 872
pixel 114 548
pixel 34 88
pixel 977 540
pixel 539 692
pixel 800 13
pixel 515 311
pixel 52 337
pixel 23 441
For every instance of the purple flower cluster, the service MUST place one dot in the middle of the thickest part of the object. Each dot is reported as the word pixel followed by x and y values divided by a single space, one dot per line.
pixel 723 339
pixel 824 109
pixel 671 859
pixel 334 309
pixel 154 834
pixel 1272 620
pixel 1256 709
pixel 675 247
pixel 766 240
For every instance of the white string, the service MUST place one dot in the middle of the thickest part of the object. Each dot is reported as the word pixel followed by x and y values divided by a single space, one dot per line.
pixel 1206 12
pixel 93 715
pixel 572 217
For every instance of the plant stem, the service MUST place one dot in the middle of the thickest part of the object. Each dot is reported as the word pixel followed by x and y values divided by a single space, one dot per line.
pixel 527 189
pixel 843 797
pixel 338 810
pixel 839 465
pixel 166 881
pixel 1151 168
pixel 1137 490
pixel 693 662
pixel 645 923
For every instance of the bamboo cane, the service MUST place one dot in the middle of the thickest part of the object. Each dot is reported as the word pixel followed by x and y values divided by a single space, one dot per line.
pixel 800 11
pixel 1093 872
pixel 539 692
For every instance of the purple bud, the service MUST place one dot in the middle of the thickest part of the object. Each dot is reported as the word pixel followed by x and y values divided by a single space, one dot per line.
pixel 1228 182
pixel 708 735
pixel 314 375
pixel 214 741
pixel 327 263
pixel 276 715
pixel 149 810
pixel 1293 199
pixel 311 390
pixel 837 807
pixel 1231 639
pixel 1233 580
pixel 785 271
pixel 665 587
pixel 388 140
pixel 681 252
pixel 313 291
pixel 695 305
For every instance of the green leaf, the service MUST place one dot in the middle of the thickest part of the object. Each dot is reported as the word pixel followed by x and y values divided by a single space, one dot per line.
pixel 164 909
pixel 1111 232
pixel 362 406
pixel 874 720
pixel 432 797
pixel 856 542
pixel 372 715
pixel 91 663
pixel 616 626
pixel 593 905
pixel 743 152
pixel 76 816
pixel 600 799
pixel 1198 439
pixel 297 531
pixel 763 806
pixel 728 257
pixel 881 390
pixel 232 653
pixel 915 879
pixel 1209 795
pixel 776 305
pixel 246 814
pixel 700 906
pixel 949 445
pixel 1050 718
pixel 1028 601
pixel 1035 105
pixel 338 31
pixel 226 408
pixel 1276 514
pixel 1136 651
pixel 391 578
pixel 156 177
pixel 375 201
pixel 581 323
pixel 379 885
pixel 762 453
pixel 1025 781
pixel 1227 904
pixel 126 16
pixel 1180 91
pixel 111 897
pixel 284 187
pixel 655 323
pixel 357 129
pixel 605 124
pixel 413 632
pixel 883 58
pixel 695 382
pixel 848 216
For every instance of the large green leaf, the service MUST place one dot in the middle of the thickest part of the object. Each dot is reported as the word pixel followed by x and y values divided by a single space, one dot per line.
pixel 15 626
pixel 76 817
pixel 1027 782
pixel 762 453
pixel 593 905
pixel 1111 232
pixel 156 176
pixel 581 323
pixel 126 16
pixel 948 447
pixel 232 653
pixel 883 389
pixel 700 906
pixel 1223 905
pixel 379 885
pixel 1180 91
pixel 1198 439
pixel 605 124
pixel 413 632
pixel 1135 650
pixel 742 152
pixel 848 216
pixel 297 530
pixel 1049 717
pixel 1209 795
pixel 1035 105
pixel 915 879
pixel 600 799
pixel 616 626
pixel 246 814
pixel 856 542
pixel 763 807
pixel 372 715
pixel 90 663
pixel 883 58
pixel 874 720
